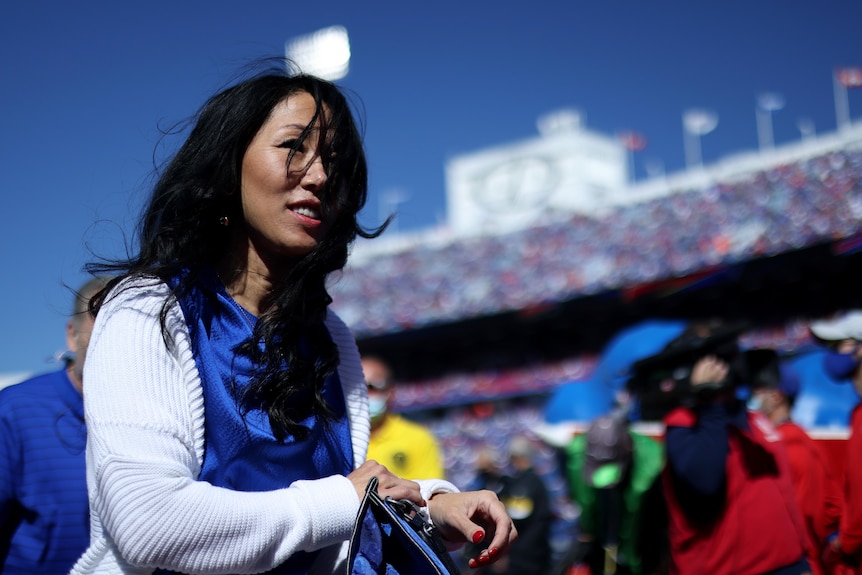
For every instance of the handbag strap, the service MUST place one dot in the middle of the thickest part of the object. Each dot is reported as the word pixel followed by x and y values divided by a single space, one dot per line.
pixel 417 534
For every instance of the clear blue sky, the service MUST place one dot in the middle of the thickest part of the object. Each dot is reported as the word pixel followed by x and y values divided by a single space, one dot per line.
pixel 85 86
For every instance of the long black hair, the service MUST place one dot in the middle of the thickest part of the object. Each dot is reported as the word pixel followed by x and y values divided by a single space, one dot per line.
pixel 180 231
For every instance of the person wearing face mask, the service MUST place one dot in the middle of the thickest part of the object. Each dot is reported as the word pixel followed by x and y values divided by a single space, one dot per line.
pixel 843 338
pixel 614 475
pixel 817 491
pixel 405 447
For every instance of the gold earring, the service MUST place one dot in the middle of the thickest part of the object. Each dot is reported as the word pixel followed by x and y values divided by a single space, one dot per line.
pixel 224 221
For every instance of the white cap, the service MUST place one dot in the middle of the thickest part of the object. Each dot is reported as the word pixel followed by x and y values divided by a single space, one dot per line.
pixel 845 326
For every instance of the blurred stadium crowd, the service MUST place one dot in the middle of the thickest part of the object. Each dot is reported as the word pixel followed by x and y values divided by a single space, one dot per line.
pixel 768 212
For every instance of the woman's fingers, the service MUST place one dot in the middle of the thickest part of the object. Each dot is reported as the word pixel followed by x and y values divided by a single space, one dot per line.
pixel 476 516
pixel 388 484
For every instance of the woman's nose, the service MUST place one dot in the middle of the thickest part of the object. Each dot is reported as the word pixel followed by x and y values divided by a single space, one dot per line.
pixel 315 174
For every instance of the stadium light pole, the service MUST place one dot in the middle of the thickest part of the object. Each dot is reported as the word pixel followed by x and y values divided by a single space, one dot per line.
pixel 806 129
pixel 324 53
pixel 767 104
pixel 696 123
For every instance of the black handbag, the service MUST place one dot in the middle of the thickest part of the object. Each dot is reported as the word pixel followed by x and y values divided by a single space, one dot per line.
pixel 391 537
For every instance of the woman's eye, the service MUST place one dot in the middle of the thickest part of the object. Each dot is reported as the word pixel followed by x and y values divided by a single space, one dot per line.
pixel 292 144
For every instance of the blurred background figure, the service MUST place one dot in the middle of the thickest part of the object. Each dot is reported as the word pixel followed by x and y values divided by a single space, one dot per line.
pixel 843 364
pixel 488 474
pixel 406 448
pixel 731 505
pixel 613 477
pixel 526 498
pixel 817 493
pixel 44 514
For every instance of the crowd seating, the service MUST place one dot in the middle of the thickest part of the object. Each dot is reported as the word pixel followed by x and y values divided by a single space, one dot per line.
pixel 782 208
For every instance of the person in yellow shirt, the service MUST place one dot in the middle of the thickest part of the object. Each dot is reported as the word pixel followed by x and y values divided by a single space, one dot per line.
pixel 407 449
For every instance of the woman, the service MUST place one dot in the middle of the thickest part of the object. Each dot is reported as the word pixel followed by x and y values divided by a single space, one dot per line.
pixel 226 407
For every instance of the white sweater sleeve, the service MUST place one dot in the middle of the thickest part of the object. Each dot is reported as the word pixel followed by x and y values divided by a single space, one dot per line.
pixel 144 413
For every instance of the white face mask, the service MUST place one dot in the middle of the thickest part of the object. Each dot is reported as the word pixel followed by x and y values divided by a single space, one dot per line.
pixel 376 406
pixel 755 403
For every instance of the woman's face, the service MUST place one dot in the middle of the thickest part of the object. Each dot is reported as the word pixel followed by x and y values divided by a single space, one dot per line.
pixel 280 194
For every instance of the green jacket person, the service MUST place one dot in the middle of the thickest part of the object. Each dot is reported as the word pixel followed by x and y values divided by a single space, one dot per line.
pixel 612 473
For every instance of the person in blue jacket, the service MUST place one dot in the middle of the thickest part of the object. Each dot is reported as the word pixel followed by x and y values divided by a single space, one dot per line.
pixel 44 516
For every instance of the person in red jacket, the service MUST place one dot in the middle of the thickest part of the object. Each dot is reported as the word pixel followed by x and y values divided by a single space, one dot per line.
pixel 817 491
pixel 731 505
pixel 843 363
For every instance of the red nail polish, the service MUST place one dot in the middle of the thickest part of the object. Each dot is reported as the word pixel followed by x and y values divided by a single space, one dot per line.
pixel 478 536
pixel 484 559
pixel 473 563
pixel 493 551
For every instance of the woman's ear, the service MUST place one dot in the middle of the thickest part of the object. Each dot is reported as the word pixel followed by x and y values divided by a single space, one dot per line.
pixel 71 344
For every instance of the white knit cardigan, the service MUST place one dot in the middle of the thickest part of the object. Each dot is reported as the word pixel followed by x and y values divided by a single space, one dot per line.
pixel 145 418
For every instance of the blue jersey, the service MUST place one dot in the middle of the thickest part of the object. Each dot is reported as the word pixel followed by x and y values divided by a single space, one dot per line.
pixel 241 451
pixel 44 517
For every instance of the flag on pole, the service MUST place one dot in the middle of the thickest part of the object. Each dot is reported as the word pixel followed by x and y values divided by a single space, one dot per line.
pixel 633 141
pixel 849 77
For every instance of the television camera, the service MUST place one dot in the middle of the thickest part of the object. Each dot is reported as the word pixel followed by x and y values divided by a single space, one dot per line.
pixel 662 381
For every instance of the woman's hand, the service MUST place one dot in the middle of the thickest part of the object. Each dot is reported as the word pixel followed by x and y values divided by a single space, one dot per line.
pixel 388 483
pixel 474 516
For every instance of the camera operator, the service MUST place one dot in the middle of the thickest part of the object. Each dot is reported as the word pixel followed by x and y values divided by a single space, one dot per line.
pixel 731 504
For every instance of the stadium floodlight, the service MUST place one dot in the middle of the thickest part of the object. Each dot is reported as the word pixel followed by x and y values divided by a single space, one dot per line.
pixel 767 103
pixel 325 53
pixel 696 123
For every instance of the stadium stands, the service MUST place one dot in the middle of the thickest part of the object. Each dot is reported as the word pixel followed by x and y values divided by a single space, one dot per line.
pixel 784 208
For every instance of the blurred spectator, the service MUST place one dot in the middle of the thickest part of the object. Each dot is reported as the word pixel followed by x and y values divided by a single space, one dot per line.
pixel 817 493
pixel 407 449
pixel 843 337
pixel 44 512
pixel 731 505
pixel 613 474
pixel 525 496
pixel 488 474
pixel 488 471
